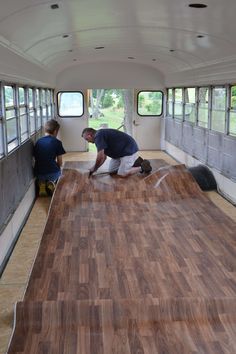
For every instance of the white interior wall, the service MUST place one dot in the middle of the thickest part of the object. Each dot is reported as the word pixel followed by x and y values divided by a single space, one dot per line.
pixel 110 75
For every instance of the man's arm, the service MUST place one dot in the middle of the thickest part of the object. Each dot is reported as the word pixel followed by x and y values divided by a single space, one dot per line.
pixel 59 160
pixel 101 157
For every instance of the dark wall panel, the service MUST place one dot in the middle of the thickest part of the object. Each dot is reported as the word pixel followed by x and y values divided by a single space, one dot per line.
pixel 16 173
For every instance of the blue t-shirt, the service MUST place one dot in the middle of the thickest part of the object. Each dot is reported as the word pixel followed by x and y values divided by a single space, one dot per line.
pixel 46 150
pixel 115 143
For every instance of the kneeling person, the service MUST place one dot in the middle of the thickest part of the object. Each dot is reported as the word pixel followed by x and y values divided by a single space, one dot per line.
pixel 122 149
pixel 48 152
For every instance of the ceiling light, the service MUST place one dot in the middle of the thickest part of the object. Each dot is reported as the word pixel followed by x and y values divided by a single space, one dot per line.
pixel 54 6
pixel 197 6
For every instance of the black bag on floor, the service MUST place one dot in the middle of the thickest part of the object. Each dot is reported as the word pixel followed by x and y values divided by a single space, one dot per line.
pixel 204 177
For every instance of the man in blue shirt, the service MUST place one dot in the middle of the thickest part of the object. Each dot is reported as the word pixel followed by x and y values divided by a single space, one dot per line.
pixel 48 152
pixel 122 149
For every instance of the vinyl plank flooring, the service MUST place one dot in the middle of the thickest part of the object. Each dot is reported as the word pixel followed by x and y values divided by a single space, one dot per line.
pixel 144 264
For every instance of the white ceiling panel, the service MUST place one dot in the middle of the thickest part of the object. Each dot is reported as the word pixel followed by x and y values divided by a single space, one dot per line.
pixel 160 33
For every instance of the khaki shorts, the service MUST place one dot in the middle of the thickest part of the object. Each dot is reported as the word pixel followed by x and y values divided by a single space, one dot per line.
pixel 123 164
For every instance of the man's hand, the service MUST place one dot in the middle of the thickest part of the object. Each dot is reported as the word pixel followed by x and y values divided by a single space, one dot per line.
pixel 91 171
pixel 101 157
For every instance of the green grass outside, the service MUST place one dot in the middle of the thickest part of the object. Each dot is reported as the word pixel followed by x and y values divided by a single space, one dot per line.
pixel 113 117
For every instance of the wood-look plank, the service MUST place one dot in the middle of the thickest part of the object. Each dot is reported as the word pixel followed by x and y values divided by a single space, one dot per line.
pixel 177 325
pixel 144 264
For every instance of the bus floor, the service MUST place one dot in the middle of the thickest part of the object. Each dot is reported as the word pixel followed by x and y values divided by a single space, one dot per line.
pixel 15 277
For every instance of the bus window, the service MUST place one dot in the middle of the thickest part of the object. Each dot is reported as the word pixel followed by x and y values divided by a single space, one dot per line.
pixel 203 107
pixel 150 103
pixel 170 102
pixel 190 104
pixel 218 109
pixel 24 133
pixel 31 110
pixel 178 103
pixel 232 112
pixel 11 118
pixel 70 104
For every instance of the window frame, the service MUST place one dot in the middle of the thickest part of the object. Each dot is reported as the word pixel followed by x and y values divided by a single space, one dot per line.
pixel 208 107
pixel 150 115
pixel 14 143
pixel 220 110
pixel 2 124
pixel 19 106
pixel 168 101
pixel 69 91
pixel 229 110
pixel 192 104
pixel 181 102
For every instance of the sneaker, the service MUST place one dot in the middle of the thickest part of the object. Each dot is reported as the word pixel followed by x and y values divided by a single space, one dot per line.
pixel 41 189
pixel 146 166
pixel 50 187
pixel 138 162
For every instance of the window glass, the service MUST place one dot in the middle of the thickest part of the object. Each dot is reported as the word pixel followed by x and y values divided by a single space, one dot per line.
pixel 49 112
pixel 10 113
pixel 1 142
pixel 31 102
pixel 190 104
pixel 12 140
pixel 44 115
pixel 43 97
pixel 218 109
pixel 8 96
pixel 38 117
pixel 21 92
pixel 51 109
pixel 178 103
pixel 51 97
pixel 232 112
pixel 31 111
pixel 203 106
pixel 170 102
pixel 70 104
pixel 48 98
pixel 43 106
pixel 32 121
pixel 150 103
pixel 38 110
pixel 1 135
pixel 37 98
pixel 24 127
pixel 23 114
pixel 11 117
